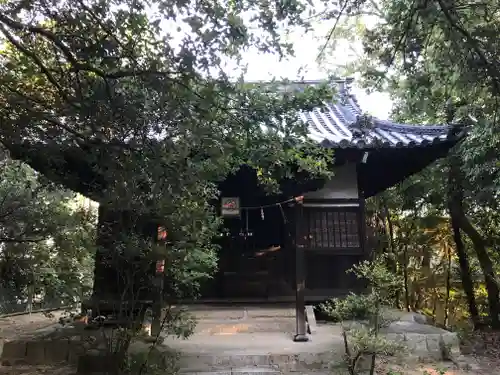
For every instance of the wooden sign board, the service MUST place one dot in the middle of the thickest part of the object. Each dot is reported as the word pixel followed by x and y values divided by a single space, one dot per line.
pixel 230 207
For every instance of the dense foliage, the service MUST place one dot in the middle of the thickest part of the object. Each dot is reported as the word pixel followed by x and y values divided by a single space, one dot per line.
pixel 128 103
pixel 46 240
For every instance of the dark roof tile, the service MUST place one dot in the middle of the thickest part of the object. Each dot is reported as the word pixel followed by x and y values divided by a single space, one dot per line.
pixel 342 123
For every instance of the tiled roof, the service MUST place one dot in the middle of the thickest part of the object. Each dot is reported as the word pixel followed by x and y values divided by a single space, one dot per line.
pixel 341 123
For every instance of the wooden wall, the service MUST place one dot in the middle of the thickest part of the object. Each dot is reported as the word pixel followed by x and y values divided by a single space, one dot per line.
pixel 343 185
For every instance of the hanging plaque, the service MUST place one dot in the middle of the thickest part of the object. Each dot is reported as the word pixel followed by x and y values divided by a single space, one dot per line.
pixel 230 207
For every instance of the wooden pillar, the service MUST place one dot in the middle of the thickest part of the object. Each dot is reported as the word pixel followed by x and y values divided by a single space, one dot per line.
pixel 300 280
pixel 363 234
pixel 158 318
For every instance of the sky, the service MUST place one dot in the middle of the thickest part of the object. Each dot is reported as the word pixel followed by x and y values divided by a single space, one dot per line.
pixel 307 46
pixel 262 66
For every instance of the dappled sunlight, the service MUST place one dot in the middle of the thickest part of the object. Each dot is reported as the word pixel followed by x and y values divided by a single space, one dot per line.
pixel 431 371
pixel 226 329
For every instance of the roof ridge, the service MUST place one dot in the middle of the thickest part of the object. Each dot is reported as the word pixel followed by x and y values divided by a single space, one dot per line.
pixel 413 127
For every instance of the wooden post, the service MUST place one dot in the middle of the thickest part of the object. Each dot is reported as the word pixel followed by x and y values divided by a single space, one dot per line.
pixel 157 323
pixel 300 282
pixel 31 292
pixel 363 234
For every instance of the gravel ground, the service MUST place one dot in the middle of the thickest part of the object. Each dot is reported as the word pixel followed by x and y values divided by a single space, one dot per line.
pixel 476 366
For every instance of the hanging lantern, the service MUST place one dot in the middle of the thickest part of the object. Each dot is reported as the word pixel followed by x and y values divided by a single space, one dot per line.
pixel 162 233
pixel 160 266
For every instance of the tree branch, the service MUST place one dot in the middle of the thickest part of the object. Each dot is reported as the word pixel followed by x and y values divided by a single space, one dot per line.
pixel 454 23
pixel 332 31
pixel 35 59
pixel 51 120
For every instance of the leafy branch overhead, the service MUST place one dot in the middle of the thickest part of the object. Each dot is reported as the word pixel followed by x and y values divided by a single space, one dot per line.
pixel 109 85
pixel 426 54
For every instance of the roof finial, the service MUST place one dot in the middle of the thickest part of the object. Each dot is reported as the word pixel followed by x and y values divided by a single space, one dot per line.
pixel 361 127
pixel 343 91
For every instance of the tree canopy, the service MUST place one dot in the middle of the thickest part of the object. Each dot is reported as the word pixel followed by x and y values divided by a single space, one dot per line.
pixel 129 103
pixel 90 88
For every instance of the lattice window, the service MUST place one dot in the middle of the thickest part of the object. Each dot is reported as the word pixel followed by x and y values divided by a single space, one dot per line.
pixel 331 229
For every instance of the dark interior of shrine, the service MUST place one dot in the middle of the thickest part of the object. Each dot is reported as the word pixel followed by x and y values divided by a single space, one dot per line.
pixel 255 256
pixel 257 251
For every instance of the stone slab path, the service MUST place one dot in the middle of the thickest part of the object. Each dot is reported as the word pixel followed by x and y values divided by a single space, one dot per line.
pixel 234 338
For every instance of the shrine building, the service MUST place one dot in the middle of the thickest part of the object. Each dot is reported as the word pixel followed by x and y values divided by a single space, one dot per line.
pixel 297 246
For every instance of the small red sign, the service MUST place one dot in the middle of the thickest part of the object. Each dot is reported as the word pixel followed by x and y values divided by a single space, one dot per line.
pixel 230 207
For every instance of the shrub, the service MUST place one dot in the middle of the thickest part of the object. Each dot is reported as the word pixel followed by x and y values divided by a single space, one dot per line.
pixel 351 307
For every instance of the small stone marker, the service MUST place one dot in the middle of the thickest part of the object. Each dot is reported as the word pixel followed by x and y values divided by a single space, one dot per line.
pixel 311 318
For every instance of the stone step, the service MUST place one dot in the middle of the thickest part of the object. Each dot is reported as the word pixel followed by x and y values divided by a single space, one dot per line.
pixel 235 371
pixel 246 326
pixel 232 313
pixel 252 372
pixel 284 363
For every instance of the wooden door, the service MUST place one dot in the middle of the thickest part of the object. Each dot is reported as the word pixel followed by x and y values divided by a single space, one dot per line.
pixel 332 243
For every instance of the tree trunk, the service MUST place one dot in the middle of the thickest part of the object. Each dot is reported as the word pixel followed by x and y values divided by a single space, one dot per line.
pixel 448 288
pixel 486 266
pixel 467 283
pixel 435 298
pixel 31 292
pixel 418 299
pixel 392 247
pixel 455 197
pixel 405 278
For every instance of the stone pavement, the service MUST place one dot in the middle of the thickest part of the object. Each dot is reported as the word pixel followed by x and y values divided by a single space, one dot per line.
pixel 236 338
pixel 241 340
